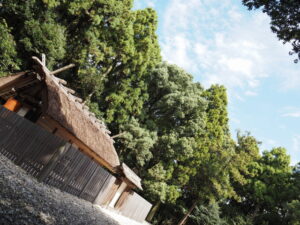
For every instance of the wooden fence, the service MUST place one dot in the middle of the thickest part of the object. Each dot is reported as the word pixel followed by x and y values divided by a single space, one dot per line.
pixel 50 158
pixel 58 163
pixel 133 206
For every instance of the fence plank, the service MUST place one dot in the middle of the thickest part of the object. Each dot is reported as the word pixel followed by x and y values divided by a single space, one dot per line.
pixel 52 163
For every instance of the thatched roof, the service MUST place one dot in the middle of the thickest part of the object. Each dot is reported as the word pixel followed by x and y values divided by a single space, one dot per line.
pixel 131 176
pixel 69 111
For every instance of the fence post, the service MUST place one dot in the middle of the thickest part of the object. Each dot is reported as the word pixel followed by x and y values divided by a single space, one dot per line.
pixel 53 161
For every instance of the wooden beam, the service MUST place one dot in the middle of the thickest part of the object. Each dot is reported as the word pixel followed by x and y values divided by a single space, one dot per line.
pixel 38 61
pixel 18 83
pixel 62 69
pixel 118 135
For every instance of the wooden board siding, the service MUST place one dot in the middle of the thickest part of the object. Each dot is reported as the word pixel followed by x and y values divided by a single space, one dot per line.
pixel 108 191
pixel 25 143
pixel 38 152
pixel 133 206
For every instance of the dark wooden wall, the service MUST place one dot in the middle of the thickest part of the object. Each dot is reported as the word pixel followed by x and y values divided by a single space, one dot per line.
pixel 50 158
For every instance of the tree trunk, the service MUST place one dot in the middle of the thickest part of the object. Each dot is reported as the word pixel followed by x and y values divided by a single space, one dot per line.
pixel 153 211
pixel 186 216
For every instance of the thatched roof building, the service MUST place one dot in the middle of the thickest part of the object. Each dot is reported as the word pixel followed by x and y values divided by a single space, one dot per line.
pixel 61 109
pixel 58 110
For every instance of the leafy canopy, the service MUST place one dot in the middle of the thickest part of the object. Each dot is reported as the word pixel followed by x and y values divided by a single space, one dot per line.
pixel 285 20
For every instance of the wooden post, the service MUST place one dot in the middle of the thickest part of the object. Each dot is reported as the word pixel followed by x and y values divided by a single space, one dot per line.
pixel 153 211
pixel 53 161
pixel 186 216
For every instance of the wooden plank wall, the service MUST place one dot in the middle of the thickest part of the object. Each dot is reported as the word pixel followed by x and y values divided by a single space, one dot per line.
pixel 108 191
pixel 25 143
pixel 50 158
pixel 134 206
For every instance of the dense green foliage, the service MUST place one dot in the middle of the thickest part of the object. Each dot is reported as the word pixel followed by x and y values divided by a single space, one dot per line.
pixel 173 133
pixel 285 19
pixel 8 56
pixel 111 45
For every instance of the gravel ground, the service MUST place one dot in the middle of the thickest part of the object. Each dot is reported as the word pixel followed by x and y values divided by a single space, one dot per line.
pixel 25 201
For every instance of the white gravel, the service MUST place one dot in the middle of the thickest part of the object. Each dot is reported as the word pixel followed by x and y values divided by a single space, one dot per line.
pixel 120 218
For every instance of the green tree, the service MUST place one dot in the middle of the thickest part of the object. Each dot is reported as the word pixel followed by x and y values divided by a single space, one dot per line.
pixel 137 143
pixel 8 54
pixel 294 212
pixel 175 109
pixel 208 215
pixel 293 206
pixel 35 29
pixel 268 189
pixel 215 149
pixel 221 163
pixel 175 112
pixel 285 20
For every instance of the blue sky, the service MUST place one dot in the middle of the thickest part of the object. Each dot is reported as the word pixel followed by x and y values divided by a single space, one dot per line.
pixel 222 42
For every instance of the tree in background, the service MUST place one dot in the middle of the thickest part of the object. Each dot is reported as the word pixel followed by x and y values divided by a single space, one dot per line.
pixel 35 29
pixel 206 214
pixel 294 212
pixel 285 20
pixel 112 46
pixel 175 111
pixel 8 56
pixel 213 156
pixel 267 191
pixel 293 207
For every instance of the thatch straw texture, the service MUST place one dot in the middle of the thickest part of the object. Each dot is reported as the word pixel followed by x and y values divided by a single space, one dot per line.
pixel 63 108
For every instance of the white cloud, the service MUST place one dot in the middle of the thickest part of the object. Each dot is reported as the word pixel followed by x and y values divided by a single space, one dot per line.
pixel 139 4
pixel 234 14
pixel 291 112
pixel 151 3
pixel 218 44
pixel 177 51
pixel 251 93
pixel 235 120
pixel 292 78
pixel 237 65
pixel 200 49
